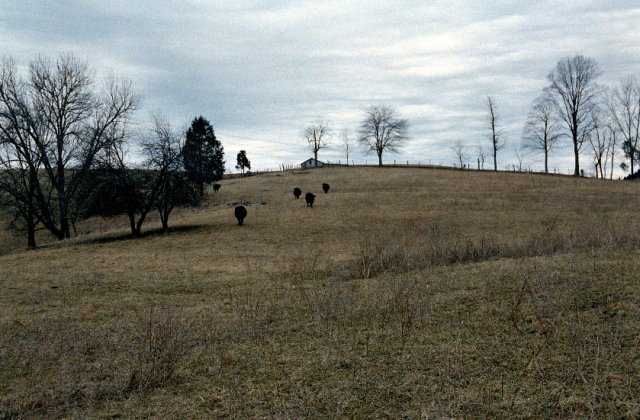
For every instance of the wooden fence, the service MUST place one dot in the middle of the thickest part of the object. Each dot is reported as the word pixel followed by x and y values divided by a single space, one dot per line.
pixel 408 164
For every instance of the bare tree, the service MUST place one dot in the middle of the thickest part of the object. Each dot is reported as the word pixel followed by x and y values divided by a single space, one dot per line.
pixel 611 151
pixel 119 187
pixel 518 153
pixel 346 141
pixel 542 130
pixel 482 155
pixel 574 91
pixel 65 122
pixel 317 135
pixel 19 157
pixel 16 191
pixel 460 152
pixel 382 129
pixel 602 140
pixel 497 141
pixel 597 141
pixel 624 107
pixel 115 186
pixel 162 151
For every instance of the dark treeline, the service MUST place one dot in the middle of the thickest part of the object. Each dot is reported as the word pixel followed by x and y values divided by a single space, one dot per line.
pixel 67 151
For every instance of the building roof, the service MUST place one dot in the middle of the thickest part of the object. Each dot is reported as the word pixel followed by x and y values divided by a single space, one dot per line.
pixel 310 160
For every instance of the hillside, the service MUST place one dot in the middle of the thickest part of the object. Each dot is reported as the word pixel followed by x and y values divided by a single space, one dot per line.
pixel 401 292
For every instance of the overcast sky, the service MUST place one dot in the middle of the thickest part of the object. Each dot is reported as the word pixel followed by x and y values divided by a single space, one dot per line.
pixel 260 71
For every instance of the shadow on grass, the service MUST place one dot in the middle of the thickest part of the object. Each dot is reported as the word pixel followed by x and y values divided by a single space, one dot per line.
pixel 122 236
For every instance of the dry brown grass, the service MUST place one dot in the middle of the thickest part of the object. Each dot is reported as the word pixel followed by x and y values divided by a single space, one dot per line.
pixel 403 292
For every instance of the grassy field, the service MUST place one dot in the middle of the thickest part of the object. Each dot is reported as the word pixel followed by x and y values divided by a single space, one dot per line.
pixel 402 292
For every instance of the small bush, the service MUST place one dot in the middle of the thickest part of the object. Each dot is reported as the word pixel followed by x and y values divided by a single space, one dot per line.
pixel 159 342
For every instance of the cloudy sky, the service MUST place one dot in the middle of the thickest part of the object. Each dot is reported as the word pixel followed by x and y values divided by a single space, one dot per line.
pixel 260 71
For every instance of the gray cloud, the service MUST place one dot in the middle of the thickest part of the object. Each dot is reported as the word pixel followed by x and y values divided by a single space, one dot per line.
pixel 261 70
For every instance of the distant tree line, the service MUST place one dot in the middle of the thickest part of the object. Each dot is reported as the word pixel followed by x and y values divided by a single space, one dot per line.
pixel 68 151
pixel 599 120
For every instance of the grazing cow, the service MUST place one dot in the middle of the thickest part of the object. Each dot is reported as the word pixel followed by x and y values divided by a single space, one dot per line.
pixel 309 198
pixel 216 187
pixel 240 213
pixel 296 192
pixel 325 187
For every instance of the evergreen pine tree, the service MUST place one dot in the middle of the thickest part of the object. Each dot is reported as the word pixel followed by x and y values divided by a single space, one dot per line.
pixel 202 153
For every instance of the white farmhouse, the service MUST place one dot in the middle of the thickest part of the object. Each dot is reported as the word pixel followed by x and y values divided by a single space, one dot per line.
pixel 311 163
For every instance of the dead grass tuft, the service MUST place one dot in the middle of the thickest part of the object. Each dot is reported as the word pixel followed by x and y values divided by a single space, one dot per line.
pixel 160 339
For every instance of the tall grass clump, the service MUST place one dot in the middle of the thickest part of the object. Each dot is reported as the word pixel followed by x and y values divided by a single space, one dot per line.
pixel 380 254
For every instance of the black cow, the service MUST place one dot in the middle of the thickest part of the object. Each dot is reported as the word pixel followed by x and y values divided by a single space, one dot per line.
pixel 309 198
pixel 325 187
pixel 216 187
pixel 296 192
pixel 240 213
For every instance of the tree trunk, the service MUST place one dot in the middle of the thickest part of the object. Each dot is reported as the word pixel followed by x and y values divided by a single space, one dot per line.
pixel 62 196
pixel 495 158
pixel 576 171
pixel 139 224
pixel 31 227
pixel 64 217
pixel 164 217
pixel 31 235
pixel 31 224
pixel 546 162
pixel 574 136
pixel 613 155
pixel 132 223
pixel 315 156
pixel 64 225
pixel 380 159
